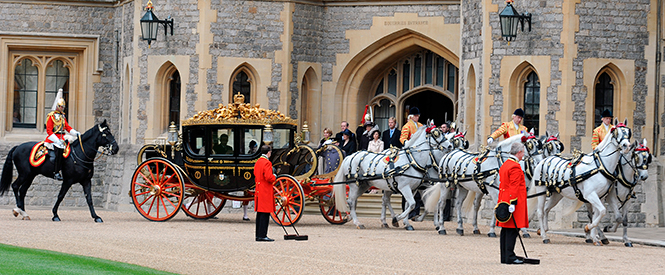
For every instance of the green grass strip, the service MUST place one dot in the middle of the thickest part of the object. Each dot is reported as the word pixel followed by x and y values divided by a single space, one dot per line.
pixel 20 260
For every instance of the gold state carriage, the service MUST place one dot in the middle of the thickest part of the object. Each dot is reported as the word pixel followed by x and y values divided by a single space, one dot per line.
pixel 212 161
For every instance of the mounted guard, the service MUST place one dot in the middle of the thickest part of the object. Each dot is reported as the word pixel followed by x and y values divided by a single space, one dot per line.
pixel 56 128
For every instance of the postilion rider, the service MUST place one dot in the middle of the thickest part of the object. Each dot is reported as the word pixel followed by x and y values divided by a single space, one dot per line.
pixel 411 126
pixel 509 128
pixel 56 128
pixel 601 131
pixel 264 195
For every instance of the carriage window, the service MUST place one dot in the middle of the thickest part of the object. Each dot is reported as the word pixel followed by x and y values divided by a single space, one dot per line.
pixel 251 141
pixel 196 141
pixel 222 140
pixel 280 138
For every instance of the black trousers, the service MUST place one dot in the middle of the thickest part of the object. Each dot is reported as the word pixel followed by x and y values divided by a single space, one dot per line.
pixel 507 243
pixel 262 220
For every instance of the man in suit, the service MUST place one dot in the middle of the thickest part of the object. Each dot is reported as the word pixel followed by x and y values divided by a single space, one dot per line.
pixel 391 136
pixel 343 126
pixel 264 195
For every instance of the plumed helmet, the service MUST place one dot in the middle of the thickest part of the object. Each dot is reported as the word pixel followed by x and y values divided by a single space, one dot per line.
pixel 59 101
pixel 606 113
pixel 414 111
pixel 519 112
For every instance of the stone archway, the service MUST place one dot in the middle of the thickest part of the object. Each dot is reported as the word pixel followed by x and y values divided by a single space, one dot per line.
pixel 432 105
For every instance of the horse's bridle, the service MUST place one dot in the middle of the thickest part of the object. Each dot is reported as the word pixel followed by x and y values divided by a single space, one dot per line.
pixel 621 177
pixel 105 150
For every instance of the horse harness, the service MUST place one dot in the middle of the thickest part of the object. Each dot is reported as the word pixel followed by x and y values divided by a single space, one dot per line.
pixel 459 175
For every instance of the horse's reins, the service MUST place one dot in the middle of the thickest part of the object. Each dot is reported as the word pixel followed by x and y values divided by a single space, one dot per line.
pixel 86 160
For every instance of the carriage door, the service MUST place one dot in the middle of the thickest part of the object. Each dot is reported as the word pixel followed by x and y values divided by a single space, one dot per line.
pixel 222 160
pixel 195 154
pixel 249 144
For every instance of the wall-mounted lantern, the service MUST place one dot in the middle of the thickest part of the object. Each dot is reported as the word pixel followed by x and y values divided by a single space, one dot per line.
pixel 510 19
pixel 150 24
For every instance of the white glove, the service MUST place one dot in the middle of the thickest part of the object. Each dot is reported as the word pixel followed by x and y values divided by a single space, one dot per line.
pixel 56 141
pixel 490 140
pixel 511 208
pixel 328 142
pixel 74 133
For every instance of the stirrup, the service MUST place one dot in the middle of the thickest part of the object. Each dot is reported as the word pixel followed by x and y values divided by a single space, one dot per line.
pixel 57 176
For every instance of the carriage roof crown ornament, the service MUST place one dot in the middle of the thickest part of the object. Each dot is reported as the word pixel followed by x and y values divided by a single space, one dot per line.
pixel 239 112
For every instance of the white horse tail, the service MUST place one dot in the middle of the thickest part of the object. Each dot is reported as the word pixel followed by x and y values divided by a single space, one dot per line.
pixel 572 208
pixel 467 205
pixel 339 190
pixel 431 197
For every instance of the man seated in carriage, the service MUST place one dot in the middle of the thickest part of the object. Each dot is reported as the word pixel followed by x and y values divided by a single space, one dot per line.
pixel 223 148
pixel 601 131
pixel 509 128
pixel 56 128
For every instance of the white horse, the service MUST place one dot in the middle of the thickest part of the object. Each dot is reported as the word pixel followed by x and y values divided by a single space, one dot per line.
pixel 470 172
pixel 585 178
pixel 458 141
pixel 391 170
pixel 629 172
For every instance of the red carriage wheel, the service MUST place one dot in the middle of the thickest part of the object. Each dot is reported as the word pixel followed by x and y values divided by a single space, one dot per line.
pixel 290 194
pixel 157 189
pixel 329 211
pixel 202 204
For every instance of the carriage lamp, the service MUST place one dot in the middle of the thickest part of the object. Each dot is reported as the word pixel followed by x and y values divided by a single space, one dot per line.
pixel 150 24
pixel 267 134
pixel 173 138
pixel 305 133
pixel 510 19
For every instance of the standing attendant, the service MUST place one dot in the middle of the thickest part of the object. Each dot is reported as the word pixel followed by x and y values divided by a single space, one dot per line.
pixel 509 128
pixel 601 131
pixel 391 136
pixel 264 195
pixel 411 126
pixel 513 191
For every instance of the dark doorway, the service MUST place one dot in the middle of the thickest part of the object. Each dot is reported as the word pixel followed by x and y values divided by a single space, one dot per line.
pixel 432 105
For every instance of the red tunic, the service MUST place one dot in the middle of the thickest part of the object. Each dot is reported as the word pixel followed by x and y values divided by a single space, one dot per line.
pixel 264 195
pixel 56 123
pixel 512 188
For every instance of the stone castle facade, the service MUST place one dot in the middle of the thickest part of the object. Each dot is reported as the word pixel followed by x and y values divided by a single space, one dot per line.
pixel 322 62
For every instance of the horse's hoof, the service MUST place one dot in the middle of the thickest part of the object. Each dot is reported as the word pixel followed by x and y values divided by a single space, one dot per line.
pixel 538 232
pixel 27 218
pixel 491 235
pixel 442 232
pixel 460 231
pixel 15 213
pixel 628 244
pixel 99 220
pixel 55 219
pixel 385 225
pixel 589 241
pixel 408 228
pixel 395 222
pixel 526 235
pixel 605 241
pixel 476 232
pixel 361 226
pixel 546 241
pixel 586 229
pixel 597 244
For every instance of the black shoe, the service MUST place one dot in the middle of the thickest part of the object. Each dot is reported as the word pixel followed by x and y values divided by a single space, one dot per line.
pixel 57 176
pixel 516 261
pixel 264 239
pixel 245 219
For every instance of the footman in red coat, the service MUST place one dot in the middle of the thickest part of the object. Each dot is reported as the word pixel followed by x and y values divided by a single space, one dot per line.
pixel 513 191
pixel 264 199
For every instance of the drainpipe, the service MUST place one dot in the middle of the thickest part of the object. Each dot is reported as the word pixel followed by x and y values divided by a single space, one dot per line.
pixel 659 57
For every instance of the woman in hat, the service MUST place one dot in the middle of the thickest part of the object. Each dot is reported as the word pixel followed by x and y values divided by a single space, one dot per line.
pixel 411 126
pixel 509 128
pixel 601 131
pixel 348 143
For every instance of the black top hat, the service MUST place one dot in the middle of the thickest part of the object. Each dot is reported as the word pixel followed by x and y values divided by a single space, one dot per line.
pixel 606 113
pixel 414 111
pixel 519 112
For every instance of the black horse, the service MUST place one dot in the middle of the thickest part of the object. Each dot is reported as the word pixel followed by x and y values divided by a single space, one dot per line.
pixel 77 167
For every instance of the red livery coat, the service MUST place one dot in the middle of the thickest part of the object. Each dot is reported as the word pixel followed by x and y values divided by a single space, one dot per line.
pixel 264 195
pixel 56 123
pixel 512 188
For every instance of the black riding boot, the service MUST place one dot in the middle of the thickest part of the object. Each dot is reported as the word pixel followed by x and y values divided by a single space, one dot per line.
pixel 58 163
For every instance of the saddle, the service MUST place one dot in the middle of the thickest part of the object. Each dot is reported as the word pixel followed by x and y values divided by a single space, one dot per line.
pixel 40 151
